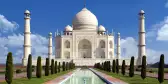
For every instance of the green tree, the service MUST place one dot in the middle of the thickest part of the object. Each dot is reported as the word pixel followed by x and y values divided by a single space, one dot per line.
pixel 117 66
pixel 161 69
pixel 143 68
pixel 123 67
pixel 63 66
pixel 52 66
pixel 29 67
pixel 39 68
pixel 9 68
pixel 114 66
pixel 47 67
pixel 55 66
pixel 131 69
pixel 59 67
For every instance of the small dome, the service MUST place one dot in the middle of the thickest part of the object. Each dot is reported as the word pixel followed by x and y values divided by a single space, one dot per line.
pixel 142 11
pixel 68 28
pixel 50 34
pixel 102 28
pixel 27 11
pixel 118 33
pixel 85 20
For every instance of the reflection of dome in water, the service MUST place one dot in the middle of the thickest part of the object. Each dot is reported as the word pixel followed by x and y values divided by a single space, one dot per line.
pixel 85 20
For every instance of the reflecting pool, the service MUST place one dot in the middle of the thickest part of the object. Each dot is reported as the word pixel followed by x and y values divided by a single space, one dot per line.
pixel 84 76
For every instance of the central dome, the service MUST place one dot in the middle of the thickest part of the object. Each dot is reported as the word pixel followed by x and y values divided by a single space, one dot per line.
pixel 85 20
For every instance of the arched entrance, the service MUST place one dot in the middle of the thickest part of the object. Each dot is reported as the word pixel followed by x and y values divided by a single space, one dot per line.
pixel 84 49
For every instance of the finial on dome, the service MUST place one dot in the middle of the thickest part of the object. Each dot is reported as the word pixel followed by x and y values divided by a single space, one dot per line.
pixel 84 3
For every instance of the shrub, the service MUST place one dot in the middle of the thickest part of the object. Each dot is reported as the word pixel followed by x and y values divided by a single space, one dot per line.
pixel 63 66
pixel 18 71
pixel 39 68
pixel 161 69
pixel 52 66
pixel 131 70
pixel 47 67
pixel 117 66
pixel 123 67
pixel 9 68
pixel 55 66
pixel 29 67
pixel 143 69
pixel 114 66
pixel 59 67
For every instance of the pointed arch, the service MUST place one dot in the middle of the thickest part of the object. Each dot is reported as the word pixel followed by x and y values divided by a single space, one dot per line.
pixel 111 44
pixel 102 44
pixel 67 44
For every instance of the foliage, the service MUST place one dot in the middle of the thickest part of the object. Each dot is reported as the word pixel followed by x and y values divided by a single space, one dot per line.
pixel 29 67
pixel 59 67
pixel 18 71
pixel 117 66
pixel 52 67
pixel 47 67
pixel 63 66
pixel 161 69
pixel 56 67
pixel 131 70
pixel 39 68
pixel 143 69
pixel 114 66
pixel 9 68
pixel 123 67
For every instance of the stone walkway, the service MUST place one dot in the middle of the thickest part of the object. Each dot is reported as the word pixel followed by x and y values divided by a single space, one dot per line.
pixel 110 78
pixel 20 75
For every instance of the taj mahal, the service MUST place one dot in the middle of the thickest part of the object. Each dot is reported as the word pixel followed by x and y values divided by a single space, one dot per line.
pixel 86 42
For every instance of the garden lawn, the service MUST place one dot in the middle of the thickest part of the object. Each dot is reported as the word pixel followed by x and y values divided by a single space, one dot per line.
pixel 35 80
pixel 134 80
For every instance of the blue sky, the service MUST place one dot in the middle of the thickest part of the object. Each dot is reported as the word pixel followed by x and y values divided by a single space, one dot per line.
pixel 48 16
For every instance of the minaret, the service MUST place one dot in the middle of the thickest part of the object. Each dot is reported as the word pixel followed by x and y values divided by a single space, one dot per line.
pixel 27 40
pixel 50 46
pixel 118 46
pixel 141 45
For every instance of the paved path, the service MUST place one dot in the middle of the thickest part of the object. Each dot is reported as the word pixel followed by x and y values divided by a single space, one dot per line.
pixel 110 78
pixel 19 75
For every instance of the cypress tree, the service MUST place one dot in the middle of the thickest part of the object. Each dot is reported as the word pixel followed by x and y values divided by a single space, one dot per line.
pixel 117 66
pixel 47 67
pixel 55 66
pixel 143 68
pixel 161 69
pixel 59 67
pixel 9 68
pixel 123 67
pixel 131 70
pixel 52 66
pixel 39 68
pixel 114 66
pixel 29 67
pixel 63 66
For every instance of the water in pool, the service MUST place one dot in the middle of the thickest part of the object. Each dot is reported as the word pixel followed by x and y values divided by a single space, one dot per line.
pixel 84 76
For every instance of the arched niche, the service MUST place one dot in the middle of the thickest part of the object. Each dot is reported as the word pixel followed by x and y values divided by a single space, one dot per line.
pixel 102 44
pixel 84 49
pixel 67 44
pixel 111 44
pixel 67 54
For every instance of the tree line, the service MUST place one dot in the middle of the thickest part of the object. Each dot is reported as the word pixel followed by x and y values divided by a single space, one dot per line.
pixel 55 67
pixel 115 68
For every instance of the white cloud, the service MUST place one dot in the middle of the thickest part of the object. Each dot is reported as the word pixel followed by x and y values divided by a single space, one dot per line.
pixel 15 41
pixel 129 48
pixel 160 30
pixel 6 25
